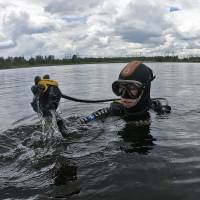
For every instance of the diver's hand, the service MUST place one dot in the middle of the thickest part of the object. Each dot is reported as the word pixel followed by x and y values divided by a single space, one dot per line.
pixel 158 107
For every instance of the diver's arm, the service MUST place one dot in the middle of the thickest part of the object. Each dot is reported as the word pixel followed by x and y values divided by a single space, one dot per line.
pixel 97 115
pixel 115 109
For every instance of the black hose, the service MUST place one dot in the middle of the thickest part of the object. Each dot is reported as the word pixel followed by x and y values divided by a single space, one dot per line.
pixel 87 101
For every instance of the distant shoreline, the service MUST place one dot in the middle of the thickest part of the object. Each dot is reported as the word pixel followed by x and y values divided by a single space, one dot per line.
pixel 40 61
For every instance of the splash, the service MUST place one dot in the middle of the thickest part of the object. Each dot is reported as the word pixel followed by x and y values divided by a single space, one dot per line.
pixel 50 128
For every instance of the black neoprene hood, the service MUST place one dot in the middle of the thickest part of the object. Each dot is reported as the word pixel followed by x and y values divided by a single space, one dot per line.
pixel 140 72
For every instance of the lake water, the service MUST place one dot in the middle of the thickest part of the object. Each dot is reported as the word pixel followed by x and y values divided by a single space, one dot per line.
pixel 103 160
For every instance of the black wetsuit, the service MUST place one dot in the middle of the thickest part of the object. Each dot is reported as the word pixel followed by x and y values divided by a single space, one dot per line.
pixel 138 113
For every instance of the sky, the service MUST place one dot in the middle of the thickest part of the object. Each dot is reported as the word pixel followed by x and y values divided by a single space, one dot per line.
pixel 99 28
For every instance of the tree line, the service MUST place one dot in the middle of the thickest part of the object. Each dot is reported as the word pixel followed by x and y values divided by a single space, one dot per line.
pixel 14 62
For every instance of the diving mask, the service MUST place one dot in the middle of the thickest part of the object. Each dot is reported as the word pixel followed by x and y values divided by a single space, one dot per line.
pixel 128 89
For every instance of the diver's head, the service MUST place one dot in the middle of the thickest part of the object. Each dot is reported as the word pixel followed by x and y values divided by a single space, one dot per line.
pixel 37 79
pixel 133 84
pixel 46 76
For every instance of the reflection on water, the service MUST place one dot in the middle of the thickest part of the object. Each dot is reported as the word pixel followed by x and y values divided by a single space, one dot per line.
pixel 102 160
pixel 138 139
pixel 64 174
pixel 65 180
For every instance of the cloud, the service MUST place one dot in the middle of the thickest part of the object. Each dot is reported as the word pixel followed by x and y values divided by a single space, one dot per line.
pixel 75 19
pixel 7 44
pixel 75 7
pixel 17 24
pixel 185 30
pixel 98 27
pixel 142 23
pixel 23 48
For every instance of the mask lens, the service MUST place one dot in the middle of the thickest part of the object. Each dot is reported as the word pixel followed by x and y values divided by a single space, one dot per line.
pixel 130 90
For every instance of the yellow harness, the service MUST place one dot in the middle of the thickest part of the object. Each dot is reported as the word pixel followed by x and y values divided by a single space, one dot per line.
pixel 45 83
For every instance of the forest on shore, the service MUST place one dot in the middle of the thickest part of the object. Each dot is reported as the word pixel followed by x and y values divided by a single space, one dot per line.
pixel 18 62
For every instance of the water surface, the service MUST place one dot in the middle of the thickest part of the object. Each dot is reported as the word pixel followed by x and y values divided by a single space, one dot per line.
pixel 104 160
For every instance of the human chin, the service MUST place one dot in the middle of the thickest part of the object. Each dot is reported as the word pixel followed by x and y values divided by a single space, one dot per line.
pixel 129 103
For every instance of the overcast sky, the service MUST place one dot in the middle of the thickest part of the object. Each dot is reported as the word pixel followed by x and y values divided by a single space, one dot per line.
pixel 99 27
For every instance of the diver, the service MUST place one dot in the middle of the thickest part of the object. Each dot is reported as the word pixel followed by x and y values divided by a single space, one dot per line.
pixel 46 98
pixel 133 86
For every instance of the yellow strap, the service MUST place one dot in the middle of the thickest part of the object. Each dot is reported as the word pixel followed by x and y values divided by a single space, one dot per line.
pixel 46 83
